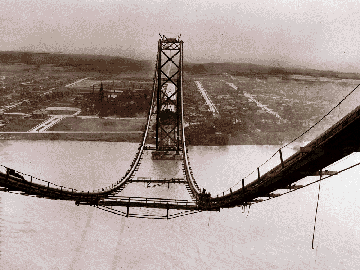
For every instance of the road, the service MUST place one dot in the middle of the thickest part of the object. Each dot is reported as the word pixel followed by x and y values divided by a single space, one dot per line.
pixel 260 105
pixel 71 84
pixel 48 123
pixel 203 92
pixel 11 106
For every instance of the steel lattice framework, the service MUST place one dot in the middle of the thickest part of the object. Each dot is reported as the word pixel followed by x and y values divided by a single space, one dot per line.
pixel 169 91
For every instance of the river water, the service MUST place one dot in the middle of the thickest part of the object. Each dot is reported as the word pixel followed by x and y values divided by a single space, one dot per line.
pixel 38 233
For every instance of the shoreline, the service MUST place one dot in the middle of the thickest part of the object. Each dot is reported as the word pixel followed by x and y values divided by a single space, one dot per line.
pixel 135 136
pixel 103 136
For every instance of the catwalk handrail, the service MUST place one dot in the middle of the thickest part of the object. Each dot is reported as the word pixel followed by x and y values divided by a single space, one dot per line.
pixel 149 200
pixel 142 144
pixel 187 169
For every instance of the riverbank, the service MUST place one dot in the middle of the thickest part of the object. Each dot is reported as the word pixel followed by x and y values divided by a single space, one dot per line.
pixel 129 136
pixel 96 124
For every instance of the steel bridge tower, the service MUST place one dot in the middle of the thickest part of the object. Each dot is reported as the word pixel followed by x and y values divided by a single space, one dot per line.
pixel 169 94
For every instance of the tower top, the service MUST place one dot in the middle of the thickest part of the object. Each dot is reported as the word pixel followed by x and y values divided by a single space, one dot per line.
pixel 163 38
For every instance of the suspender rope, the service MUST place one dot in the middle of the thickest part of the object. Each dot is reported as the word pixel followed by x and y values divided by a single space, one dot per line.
pixel 317 205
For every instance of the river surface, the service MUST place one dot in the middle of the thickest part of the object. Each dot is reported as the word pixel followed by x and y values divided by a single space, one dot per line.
pixel 37 233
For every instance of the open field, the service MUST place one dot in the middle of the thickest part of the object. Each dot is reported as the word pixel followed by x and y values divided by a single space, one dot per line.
pixel 74 136
pixel 18 123
pixel 97 124
pixel 125 83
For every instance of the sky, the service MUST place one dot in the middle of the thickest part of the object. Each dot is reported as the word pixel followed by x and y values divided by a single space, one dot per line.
pixel 320 34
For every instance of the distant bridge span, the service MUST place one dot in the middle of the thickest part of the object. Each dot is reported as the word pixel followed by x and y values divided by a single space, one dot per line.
pixel 335 143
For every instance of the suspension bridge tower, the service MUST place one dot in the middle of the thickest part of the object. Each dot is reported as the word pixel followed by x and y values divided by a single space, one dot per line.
pixel 169 96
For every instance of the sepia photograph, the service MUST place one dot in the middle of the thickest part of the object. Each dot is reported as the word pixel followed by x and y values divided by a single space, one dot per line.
pixel 162 134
